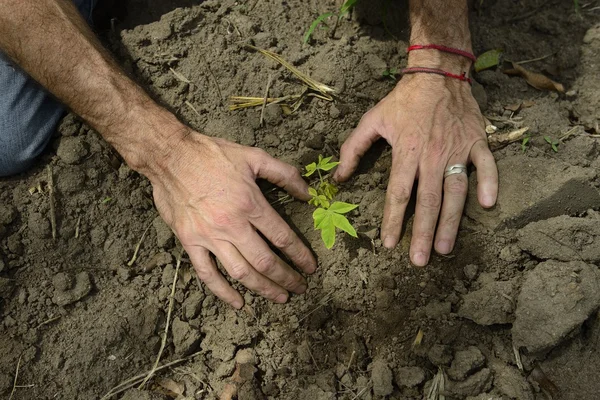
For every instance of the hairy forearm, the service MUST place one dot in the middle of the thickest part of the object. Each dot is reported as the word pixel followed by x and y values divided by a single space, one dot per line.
pixel 53 44
pixel 442 22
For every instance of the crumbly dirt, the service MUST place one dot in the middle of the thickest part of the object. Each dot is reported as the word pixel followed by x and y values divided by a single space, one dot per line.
pixel 77 320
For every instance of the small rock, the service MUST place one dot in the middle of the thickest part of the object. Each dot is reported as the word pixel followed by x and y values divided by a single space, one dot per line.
pixel 472 386
pixel 510 382
pixel 72 150
pixel 185 338
pixel 192 305
pixel 6 287
pixel 440 354
pixel 39 225
pixel 492 304
pixel 164 235
pixel 465 362
pixel 69 125
pixel 555 299
pixel 124 273
pixel 471 271
pixel 245 356
pixel 438 309
pixel 334 112
pixel 409 376
pixel 71 293
pixel 381 376
pixel 316 141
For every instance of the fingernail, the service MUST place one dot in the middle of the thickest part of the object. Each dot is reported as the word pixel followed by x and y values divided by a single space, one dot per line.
pixel 389 242
pixel 237 304
pixel 282 298
pixel 488 200
pixel 444 246
pixel 420 259
pixel 302 288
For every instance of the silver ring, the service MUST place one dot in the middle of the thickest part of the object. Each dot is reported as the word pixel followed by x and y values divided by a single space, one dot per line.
pixel 455 169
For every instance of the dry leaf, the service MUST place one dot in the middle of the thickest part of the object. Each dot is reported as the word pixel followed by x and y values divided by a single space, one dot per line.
pixel 170 387
pixel 527 103
pixel 497 141
pixel 536 80
pixel 513 107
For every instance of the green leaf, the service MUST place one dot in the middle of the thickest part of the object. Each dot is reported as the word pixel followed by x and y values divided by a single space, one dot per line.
pixel 313 192
pixel 547 139
pixel 339 207
pixel 310 169
pixel 555 147
pixel 328 235
pixel 346 7
pixel 319 216
pixel 342 222
pixel 489 59
pixel 524 143
pixel 328 166
pixel 315 24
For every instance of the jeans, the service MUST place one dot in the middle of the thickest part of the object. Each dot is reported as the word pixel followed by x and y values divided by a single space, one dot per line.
pixel 28 114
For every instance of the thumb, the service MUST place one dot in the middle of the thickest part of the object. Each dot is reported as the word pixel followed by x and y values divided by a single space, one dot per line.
pixel 281 174
pixel 360 140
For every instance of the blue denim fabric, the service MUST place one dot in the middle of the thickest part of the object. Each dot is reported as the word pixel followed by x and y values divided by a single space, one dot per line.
pixel 28 114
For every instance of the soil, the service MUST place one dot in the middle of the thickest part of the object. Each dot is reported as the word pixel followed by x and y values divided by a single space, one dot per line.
pixel 77 320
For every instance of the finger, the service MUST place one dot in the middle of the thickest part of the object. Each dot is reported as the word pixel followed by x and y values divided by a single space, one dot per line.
pixel 275 229
pixel 360 140
pixel 455 194
pixel 209 274
pixel 487 174
pixel 239 269
pixel 267 263
pixel 429 201
pixel 281 174
pixel 402 178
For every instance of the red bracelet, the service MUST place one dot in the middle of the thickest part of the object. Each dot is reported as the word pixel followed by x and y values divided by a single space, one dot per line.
pixel 415 70
pixel 444 49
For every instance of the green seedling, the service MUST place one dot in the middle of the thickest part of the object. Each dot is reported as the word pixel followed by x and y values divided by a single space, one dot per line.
pixel 390 73
pixel 329 214
pixel 344 9
pixel 553 143
pixel 525 143
pixel 106 200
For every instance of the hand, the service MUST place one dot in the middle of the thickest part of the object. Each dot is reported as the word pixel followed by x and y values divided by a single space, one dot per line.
pixel 431 122
pixel 208 196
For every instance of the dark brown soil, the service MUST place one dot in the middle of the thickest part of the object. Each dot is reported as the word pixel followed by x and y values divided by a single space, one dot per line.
pixel 523 276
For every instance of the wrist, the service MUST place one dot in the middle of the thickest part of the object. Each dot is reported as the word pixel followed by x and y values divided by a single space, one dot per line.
pixel 440 60
pixel 147 137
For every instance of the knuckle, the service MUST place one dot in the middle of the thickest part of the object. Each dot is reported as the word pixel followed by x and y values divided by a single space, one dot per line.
pixel 436 149
pixel 239 272
pixel 399 195
pixel 457 186
pixel 204 275
pixel 265 263
pixel 429 200
pixel 426 236
pixel 221 219
pixel 247 205
pixel 283 239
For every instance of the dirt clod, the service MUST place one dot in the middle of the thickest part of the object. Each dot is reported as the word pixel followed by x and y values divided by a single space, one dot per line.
pixel 68 289
pixel 492 304
pixel 556 298
pixel 381 375
pixel 409 376
pixel 466 362
pixel 185 338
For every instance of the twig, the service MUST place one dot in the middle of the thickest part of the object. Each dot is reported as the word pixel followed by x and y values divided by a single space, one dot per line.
pixel 518 358
pixel 535 59
pixel 179 76
pixel 264 104
pixel 214 77
pixel 166 332
pixel 51 201
pixel 190 105
pixel 49 321
pixel 14 388
pixel 137 247
pixel 363 390
pixel 498 141
pixel 131 382
pixel 77 227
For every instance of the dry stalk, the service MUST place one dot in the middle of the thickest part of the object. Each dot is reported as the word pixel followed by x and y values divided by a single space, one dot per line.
pixel 311 83
pixel 77 225
pixel 264 104
pixel 14 388
pixel 131 382
pixel 191 106
pixel 137 247
pixel 166 332
pixel 51 201
pixel 498 141
pixel 179 76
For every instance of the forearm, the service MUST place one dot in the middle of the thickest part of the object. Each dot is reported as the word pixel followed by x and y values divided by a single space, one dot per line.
pixel 54 45
pixel 441 22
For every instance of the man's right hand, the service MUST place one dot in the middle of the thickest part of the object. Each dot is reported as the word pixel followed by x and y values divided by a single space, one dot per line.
pixel 207 194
